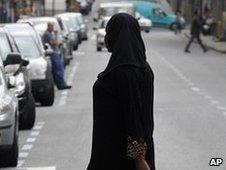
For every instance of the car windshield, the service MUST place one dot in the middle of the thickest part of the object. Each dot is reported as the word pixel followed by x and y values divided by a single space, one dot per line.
pixel 5 46
pixel 68 22
pixel 109 11
pixel 27 46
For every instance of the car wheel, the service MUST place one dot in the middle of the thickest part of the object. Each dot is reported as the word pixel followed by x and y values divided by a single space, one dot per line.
pixel 173 26
pixel 147 31
pixel 99 49
pixel 10 157
pixel 28 119
pixel 75 47
pixel 48 100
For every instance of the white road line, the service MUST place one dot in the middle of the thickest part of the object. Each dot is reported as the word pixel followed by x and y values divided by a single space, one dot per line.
pixel 195 89
pixel 79 53
pixel 23 154
pixel 20 163
pixel 184 78
pixel 207 97
pixel 34 133
pixel 37 168
pixel 27 147
pixel 64 94
pixel 221 108
pixel 31 140
pixel 214 102
pixel 37 127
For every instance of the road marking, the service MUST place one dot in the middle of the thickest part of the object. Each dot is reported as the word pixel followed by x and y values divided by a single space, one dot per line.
pixel 27 147
pixel 214 102
pixel 183 77
pixel 23 154
pixel 207 97
pixel 34 133
pixel 37 127
pixel 64 94
pixel 79 53
pixel 37 168
pixel 195 89
pixel 31 140
pixel 221 108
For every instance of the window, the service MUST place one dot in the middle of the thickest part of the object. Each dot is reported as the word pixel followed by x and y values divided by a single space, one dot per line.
pixel 5 46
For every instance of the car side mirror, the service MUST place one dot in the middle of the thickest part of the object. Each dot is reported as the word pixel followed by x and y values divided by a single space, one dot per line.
pixel 11 82
pixel 13 58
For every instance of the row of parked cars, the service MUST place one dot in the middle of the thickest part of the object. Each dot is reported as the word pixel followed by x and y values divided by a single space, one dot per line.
pixel 26 73
pixel 148 13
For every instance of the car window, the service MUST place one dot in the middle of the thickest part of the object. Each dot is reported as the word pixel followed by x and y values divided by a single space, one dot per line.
pixel 5 47
pixel 23 42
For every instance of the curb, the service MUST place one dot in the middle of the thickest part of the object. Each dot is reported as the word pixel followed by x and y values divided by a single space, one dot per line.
pixel 208 46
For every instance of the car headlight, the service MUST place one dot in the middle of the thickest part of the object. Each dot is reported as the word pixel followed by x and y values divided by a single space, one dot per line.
pixel 39 72
pixel 20 84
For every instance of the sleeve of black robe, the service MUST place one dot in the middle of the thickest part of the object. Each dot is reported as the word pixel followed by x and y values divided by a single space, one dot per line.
pixel 129 92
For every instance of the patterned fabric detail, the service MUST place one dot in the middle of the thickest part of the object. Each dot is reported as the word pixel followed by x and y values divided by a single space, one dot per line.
pixel 136 149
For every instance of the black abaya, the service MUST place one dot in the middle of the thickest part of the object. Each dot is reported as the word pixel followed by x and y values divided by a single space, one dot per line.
pixel 123 100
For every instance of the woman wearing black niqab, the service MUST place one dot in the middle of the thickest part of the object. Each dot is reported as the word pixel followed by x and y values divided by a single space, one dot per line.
pixel 123 102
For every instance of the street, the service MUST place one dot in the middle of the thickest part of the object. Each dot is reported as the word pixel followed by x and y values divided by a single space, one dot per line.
pixel 190 108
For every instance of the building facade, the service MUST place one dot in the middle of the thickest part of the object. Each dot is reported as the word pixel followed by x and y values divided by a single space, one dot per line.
pixel 189 6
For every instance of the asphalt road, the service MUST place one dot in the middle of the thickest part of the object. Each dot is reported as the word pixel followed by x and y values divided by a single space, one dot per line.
pixel 190 109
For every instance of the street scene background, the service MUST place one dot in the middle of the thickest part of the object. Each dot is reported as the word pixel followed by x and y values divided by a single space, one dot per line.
pixel 189 107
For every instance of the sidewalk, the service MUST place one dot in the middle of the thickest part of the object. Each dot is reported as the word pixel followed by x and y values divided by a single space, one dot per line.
pixel 209 42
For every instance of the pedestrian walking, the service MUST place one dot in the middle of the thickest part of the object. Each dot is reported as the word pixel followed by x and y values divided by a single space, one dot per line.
pixel 123 102
pixel 57 66
pixel 196 29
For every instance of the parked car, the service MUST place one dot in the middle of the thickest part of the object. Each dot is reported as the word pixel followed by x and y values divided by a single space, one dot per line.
pixel 73 24
pixel 80 23
pixel 108 9
pixel 145 24
pixel 40 24
pixel 20 72
pixel 40 70
pixel 9 122
pixel 100 34
pixel 157 14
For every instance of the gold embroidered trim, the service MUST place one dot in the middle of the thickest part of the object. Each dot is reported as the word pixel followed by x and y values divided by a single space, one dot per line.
pixel 136 149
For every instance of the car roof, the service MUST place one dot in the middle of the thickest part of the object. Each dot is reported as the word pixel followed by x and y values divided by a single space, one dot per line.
pixel 150 4
pixel 116 4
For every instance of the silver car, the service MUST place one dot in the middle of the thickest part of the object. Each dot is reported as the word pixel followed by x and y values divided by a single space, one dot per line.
pixel 100 34
pixel 8 124
pixel 40 70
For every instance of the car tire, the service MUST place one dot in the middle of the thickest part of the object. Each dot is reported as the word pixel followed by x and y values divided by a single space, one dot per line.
pixel 28 120
pixel 10 157
pixel 48 100
pixel 147 31
pixel 173 26
pixel 99 49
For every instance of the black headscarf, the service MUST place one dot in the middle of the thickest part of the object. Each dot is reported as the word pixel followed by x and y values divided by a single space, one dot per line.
pixel 123 39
